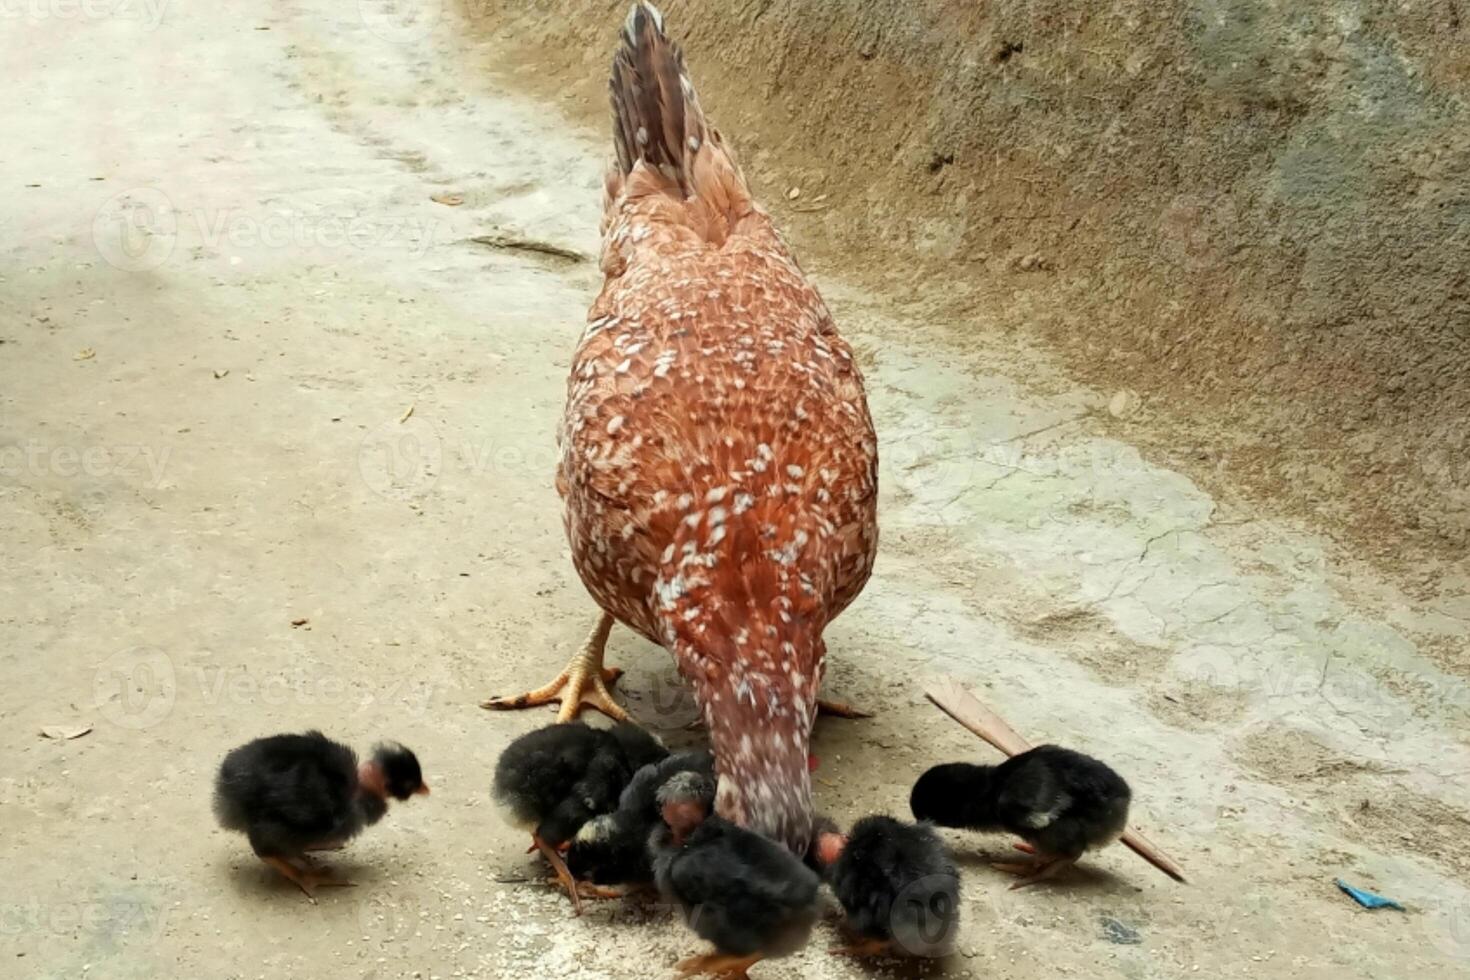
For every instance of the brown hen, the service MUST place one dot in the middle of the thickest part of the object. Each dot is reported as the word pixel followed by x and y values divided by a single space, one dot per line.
pixel 718 466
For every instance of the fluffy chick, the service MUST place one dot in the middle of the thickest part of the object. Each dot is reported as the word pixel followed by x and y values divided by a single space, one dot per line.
pixel 747 895
pixel 290 794
pixel 553 780
pixel 898 885
pixel 613 849
pixel 1060 802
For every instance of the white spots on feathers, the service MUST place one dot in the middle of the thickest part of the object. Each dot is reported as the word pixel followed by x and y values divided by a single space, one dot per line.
pixel 1042 818
pixel 614 425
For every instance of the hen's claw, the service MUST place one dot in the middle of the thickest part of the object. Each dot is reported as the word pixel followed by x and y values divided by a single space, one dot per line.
pixel 584 684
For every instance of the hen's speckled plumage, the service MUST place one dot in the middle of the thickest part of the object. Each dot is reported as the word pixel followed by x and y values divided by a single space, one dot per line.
pixel 719 466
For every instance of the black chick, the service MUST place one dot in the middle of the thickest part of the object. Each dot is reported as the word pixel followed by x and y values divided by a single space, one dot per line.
pixel 553 780
pixel 746 894
pixel 1060 802
pixel 613 849
pixel 898 885
pixel 290 794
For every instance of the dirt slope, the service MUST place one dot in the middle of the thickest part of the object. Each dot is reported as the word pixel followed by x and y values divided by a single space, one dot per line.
pixel 1255 215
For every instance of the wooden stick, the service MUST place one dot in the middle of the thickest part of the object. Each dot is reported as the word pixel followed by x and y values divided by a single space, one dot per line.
pixel 955 700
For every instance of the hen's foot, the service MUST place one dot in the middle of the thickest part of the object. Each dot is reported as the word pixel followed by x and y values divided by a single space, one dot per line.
pixel 863 948
pixel 715 965
pixel 584 684
pixel 307 881
pixel 1045 866
pixel 840 709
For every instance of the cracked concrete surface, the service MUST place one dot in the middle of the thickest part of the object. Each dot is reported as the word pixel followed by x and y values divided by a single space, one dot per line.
pixel 233 454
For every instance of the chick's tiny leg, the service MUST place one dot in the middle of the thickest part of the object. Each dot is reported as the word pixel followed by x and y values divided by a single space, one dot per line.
pixel 307 881
pixel 584 684
pixel 563 874
pixel 1045 866
pixel 587 889
pixel 716 965
pixel 864 947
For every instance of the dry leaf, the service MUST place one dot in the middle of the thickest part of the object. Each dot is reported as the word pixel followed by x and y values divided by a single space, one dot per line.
pixel 85 354
pixel 300 622
pixel 448 198
pixel 408 414
pixel 65 732
pixel 221 372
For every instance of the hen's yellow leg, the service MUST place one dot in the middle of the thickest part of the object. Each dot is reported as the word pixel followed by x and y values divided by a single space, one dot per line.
pixel 584 684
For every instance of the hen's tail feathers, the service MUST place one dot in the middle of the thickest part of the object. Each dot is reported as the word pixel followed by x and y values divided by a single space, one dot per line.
pixel 656 114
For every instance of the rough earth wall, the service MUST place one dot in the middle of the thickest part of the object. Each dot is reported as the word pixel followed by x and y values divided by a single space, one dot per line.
pixel 1256 214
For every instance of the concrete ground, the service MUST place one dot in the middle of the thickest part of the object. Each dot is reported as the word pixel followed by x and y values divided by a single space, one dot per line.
pixel 226 284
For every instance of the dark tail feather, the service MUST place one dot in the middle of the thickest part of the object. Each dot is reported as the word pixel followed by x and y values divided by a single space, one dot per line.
pixel 656 116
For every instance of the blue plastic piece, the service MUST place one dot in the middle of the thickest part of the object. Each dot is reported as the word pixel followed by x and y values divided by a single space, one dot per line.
pixel 1367 899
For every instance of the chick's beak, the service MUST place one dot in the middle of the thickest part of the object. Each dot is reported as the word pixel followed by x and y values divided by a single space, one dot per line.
pixel 423 790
